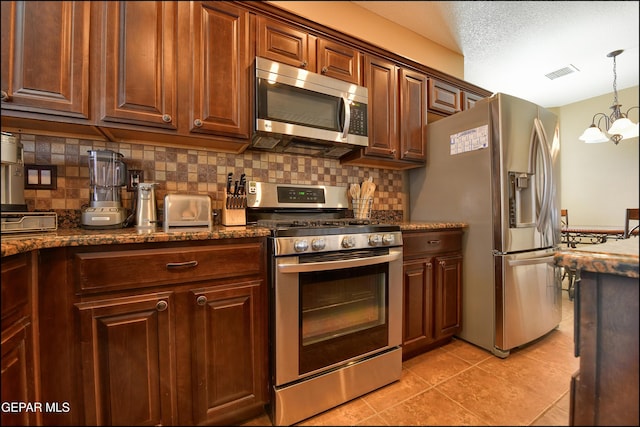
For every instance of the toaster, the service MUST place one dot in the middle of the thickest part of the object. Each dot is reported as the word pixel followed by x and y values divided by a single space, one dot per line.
pixel 187 212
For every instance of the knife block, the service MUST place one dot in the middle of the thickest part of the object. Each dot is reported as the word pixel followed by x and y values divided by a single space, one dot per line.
pixel 234 215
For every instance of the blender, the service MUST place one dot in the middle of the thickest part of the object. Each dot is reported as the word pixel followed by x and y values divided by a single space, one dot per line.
pixel 107 173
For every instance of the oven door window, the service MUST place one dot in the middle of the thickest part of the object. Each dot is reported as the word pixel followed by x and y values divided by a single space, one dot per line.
pixel 343 314
pixel 289 104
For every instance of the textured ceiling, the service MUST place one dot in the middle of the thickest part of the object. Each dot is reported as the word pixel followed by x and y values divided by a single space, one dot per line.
pixel 509 46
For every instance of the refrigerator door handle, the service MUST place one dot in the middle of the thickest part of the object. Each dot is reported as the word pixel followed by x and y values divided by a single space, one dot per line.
pixel 540 143
pixel 532 261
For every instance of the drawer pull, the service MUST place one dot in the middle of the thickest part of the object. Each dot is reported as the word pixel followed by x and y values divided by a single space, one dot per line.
pixel 434 242
pixel 187 264
pixel 201 300
pixel 161 305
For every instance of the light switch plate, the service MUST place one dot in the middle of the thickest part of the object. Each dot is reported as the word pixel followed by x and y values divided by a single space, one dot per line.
pixel 40 177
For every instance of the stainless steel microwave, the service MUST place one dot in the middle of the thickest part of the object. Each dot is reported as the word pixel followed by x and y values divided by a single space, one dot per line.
pixel 300 112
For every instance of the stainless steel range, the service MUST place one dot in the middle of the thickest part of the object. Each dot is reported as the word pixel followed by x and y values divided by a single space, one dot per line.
pixel 336 299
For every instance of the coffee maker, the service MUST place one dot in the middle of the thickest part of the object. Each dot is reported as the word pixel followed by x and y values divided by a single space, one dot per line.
pixel 107 174
pixel 12 174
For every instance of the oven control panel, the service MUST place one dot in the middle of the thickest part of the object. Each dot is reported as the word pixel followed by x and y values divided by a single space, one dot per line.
pixel 339 242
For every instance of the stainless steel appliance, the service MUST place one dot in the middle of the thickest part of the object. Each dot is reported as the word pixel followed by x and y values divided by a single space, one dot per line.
pixel 300 112
pixel 495 167
pixel 336 299
pixel 146 209
pixel 107 174
pixel 12 174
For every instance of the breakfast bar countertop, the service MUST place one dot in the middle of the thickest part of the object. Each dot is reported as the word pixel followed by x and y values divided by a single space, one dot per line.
pixel 18 243
pixel 619 257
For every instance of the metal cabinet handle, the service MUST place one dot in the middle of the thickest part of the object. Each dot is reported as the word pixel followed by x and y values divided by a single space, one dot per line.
pixel 187 264
pixel 434 242
pixel 201 300
pixel 304 64
pixel 4 96
pixel 197 122
pixel 162 305
pixel 166 118
pixel 324 70
pixel 443 264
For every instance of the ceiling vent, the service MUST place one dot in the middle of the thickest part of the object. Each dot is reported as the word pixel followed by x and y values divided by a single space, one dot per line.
pixel 561 72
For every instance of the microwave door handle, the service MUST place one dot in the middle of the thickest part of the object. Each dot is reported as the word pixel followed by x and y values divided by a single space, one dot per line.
pixel 347 117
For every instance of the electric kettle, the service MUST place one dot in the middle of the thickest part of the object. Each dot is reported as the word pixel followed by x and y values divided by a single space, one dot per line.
pixel 146 214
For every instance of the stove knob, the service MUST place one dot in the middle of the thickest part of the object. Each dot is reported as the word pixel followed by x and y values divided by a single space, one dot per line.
pixel 317 244
pixel 300 245
pixel 348 242
pixel 388 239
pixel 375 240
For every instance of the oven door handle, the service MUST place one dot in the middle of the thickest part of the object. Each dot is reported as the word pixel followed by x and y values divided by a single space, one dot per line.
pixel 335 265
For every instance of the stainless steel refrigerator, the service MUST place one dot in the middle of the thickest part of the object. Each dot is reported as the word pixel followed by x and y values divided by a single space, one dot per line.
pixel 496 167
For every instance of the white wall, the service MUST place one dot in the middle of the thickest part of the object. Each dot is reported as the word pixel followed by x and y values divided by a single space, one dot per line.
pixel 598 181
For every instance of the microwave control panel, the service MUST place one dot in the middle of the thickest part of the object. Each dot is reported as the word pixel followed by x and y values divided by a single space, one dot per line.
pixel 358 125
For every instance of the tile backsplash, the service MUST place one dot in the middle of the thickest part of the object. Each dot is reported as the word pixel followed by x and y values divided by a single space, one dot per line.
pixel 194 171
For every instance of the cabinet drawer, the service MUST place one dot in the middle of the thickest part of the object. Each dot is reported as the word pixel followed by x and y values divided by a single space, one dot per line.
pixel 421 243
pixel 112 270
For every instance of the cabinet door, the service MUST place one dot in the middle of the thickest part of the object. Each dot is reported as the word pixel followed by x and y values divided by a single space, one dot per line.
pixel 221 57
pixel 448 301
pixel 45 57
pixel 18 361
pixel 285 44
pixel 469 100
pixel 228 358
pixel 380 79
pixel 139 63
pixel 413 115
pixel 443 97
pixel 339 61
pixel 417 330
pixel 128 367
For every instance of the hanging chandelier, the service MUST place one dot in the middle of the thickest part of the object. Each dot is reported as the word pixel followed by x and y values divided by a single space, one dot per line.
pixel 617 124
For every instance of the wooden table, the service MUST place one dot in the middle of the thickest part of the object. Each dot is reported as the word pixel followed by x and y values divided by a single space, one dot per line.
pixel 574 236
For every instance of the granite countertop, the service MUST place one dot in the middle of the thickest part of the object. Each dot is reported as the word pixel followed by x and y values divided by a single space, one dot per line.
pixel 18 243
pixel 618 257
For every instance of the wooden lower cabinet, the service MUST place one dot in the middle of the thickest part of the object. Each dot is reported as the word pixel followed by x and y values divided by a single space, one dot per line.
pixel 604 391
pixel 432 289
pixel 180 340
pixel 128 370
pixel 19 371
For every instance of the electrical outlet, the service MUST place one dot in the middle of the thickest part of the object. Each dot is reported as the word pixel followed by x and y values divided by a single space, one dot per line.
pixel 134 177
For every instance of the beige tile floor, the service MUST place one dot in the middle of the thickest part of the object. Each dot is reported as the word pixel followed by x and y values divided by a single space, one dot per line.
pixel 461 384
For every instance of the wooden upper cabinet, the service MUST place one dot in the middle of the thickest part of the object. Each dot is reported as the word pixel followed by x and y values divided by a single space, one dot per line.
pixel 397 112
pixel 413 115
pixel 339 61
pixel 469 100
pixel 381 82
pixel 221 59
pixel 45 57
pixel 444 97
pixel 139 57
pixel 292 46
pixel 285 44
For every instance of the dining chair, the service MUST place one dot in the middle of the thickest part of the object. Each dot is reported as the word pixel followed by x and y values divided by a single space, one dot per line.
pixel 630 215
pixel 564 218
pixel 567 272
